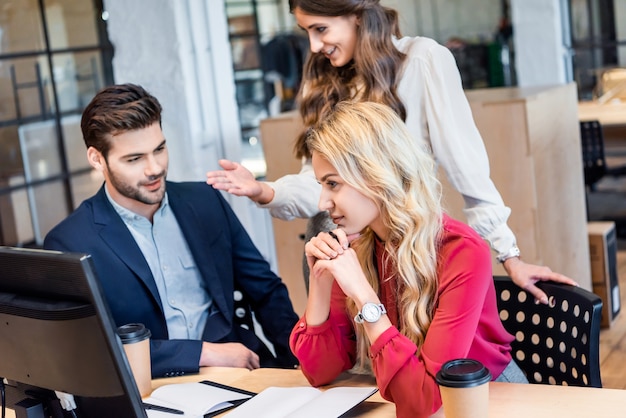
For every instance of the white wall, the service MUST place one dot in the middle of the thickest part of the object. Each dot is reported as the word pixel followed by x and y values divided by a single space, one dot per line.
pixel 539 44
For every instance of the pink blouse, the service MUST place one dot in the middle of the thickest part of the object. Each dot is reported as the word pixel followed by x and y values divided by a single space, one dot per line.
pixel 465 325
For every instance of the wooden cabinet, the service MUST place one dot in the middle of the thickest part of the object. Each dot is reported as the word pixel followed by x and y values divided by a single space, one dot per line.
pixel 278 135
pixel 533 141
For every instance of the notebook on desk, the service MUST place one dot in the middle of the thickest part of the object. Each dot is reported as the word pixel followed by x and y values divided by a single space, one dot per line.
pixel 202 399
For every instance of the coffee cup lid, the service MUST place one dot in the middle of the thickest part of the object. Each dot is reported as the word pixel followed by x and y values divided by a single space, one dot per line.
pixel 463 373
pixel 133 333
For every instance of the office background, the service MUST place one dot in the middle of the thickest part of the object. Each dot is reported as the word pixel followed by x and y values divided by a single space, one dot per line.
pixel 203 59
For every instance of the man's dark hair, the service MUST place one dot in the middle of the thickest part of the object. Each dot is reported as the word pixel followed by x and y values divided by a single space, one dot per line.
pixel 117 109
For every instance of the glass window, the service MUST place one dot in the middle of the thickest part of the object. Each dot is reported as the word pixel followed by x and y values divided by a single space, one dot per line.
pixel 71 23
pixel 23 95
pixel 78 78
pixel 251 24
pixel 10 156
pixel 597 41
pixel 20 26
pixel 44 172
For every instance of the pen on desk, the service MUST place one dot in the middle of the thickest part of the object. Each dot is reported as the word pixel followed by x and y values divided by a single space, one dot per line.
pixel 162 408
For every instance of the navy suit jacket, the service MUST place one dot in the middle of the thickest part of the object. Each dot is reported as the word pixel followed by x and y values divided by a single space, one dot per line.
pixel 226 258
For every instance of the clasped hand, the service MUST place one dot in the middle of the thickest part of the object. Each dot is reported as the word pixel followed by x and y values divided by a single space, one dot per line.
pixel 331 259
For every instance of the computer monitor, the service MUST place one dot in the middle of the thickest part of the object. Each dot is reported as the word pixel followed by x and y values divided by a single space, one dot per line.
pixel 56 333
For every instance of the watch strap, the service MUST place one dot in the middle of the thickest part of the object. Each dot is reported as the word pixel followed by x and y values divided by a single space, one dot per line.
pixel 512 252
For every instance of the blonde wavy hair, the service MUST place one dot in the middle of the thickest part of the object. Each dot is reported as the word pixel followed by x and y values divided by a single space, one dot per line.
pixel 373 73
pixel 372 151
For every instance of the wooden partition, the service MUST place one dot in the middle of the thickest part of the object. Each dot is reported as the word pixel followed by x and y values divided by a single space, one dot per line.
pixel 533 140
pixel 278 135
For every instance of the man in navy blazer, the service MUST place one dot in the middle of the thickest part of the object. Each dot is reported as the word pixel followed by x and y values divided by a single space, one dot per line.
pixel 172 256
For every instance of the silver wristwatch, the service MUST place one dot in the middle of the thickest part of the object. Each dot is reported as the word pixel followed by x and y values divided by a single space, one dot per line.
pixel 513 252
pixel 370 312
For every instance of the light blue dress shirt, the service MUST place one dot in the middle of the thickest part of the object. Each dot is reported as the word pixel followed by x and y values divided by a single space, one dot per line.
pixel 186 300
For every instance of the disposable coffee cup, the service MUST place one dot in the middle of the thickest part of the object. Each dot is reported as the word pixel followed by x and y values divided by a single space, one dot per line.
pixel 136 342
pixel 464 387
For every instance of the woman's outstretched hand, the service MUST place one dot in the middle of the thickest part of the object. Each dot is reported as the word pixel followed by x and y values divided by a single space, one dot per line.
pixel 238 180
pixel 527 275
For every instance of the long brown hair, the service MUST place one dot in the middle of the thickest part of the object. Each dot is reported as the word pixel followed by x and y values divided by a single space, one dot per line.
pixel 373 70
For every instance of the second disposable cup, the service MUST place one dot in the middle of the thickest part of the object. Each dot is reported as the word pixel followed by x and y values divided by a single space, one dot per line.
pixel 464 387
pixel 136 342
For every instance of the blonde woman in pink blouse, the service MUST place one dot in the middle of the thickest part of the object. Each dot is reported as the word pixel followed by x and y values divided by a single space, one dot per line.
pixel 398 288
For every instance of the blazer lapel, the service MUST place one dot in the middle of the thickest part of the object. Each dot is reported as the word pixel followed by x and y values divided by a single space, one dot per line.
pixel 119 239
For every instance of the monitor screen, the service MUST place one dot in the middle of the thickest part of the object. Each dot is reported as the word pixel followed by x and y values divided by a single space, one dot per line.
pixel 56 333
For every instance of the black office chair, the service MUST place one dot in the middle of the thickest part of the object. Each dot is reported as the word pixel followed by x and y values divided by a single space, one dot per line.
pixel 594 161
pixel 594 156
pixel 558 343
pixel 595 168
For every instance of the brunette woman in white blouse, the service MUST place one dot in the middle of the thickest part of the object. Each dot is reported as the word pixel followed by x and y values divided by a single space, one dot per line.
pixel 358 54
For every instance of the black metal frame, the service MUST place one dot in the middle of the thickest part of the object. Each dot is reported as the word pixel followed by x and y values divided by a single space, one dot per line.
pixel 105 47
pixel 602 38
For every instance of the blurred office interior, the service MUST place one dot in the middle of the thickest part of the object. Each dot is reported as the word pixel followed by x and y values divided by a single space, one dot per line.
pixel 220 67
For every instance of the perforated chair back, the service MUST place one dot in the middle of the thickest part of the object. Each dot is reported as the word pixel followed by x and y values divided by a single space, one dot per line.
pixel 592 144
pixel 557 343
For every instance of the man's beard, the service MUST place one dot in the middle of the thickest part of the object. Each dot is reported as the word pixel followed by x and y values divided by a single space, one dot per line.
pixel 135 192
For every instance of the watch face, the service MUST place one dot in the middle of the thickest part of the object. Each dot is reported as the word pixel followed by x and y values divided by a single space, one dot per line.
pixel 370 312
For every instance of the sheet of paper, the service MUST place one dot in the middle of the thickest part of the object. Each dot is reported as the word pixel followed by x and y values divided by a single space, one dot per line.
pixel 275 402
pixel 302 402
pixel 334 402
pixel 160 414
